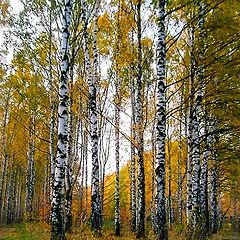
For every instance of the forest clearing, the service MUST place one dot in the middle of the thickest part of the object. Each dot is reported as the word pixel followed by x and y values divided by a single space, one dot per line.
pixel 120 119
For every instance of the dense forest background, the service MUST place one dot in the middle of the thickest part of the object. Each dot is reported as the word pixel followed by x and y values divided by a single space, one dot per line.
pixel 120 118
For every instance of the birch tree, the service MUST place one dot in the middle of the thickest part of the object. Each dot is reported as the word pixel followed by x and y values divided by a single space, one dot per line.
pixel 196 115
pixel 30 181
pixel 203 195
pixel 96 216
pixel 133 161
pixel 117 147
pixel 213 180
pixel 57 220
pixel 161 231
pixel 139 132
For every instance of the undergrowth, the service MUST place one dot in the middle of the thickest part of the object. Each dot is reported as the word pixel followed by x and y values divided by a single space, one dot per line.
pixel 41 231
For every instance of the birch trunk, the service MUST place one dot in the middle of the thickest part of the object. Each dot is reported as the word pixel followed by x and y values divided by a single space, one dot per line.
pixel 213 200
pixel 196 116
pixel 4 187
pixel 204 178
pixel 169 202
pixel 203 198
pixel 194 131
pixel 96 217
pixel 188 130
pixel 69 159
pixel 161 222
pixel 139 133
pixel 213 182
pixel 58 232
pixel 180 160
pixel 81 181
pixel 9 195
pixel 133 162
pixel 3 154
pixel 117 147
pixel 152 203
pixel 30 171
pixel 52 106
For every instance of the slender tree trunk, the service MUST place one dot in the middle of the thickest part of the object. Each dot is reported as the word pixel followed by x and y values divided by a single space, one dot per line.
pixel 14 204
pixel 30 170
pixel 52 106
pixel 96 217
pixel 213 181
pixel 203 198
pixel 180 160
pixel 69 160
pixel 133 162
pixel 58 232
pixel 117 147
pixel 213 200
pixel 4 187
pixel 162 232
pixel 169 183
pixel 194 131
pixel 81 182
pixel 139 134
pixel 188 132
pixel 3 155
pixel 9 195
pixel 204 178
pixel 152 203
pixel 86 173
pixel 19 197
pixel 45 190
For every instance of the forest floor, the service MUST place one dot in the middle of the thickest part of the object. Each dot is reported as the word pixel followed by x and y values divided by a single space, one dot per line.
pixel 41 231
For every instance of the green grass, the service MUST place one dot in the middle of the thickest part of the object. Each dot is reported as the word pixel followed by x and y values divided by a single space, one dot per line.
pixel 24 231
pixel 41 231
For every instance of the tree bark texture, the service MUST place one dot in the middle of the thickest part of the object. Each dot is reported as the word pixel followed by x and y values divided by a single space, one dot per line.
pixel 139 133
pixel 58 232
pixel 161 222
pixel 96 216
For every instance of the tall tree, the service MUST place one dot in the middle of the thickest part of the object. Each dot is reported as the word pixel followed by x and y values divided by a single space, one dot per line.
pixel 57 220
pixel 213 179
pixel 96 215
pixel 133 161
pixel 30 168
pixel 203 198
pixel 196 115
pixel 117 147
pixel 162 232
pixel 139 130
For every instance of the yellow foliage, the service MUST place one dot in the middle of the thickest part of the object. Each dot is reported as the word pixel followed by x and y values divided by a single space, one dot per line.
pixel 104 23
pixel 146 42
pixel 4 10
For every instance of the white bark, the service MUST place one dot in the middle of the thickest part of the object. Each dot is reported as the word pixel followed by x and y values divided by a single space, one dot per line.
pixel 162 232
pixel 96 215
pixel 139 133
pixel 30 170
pixel 61 159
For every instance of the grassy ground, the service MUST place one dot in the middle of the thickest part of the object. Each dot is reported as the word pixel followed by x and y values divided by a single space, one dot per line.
pixel 41 231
